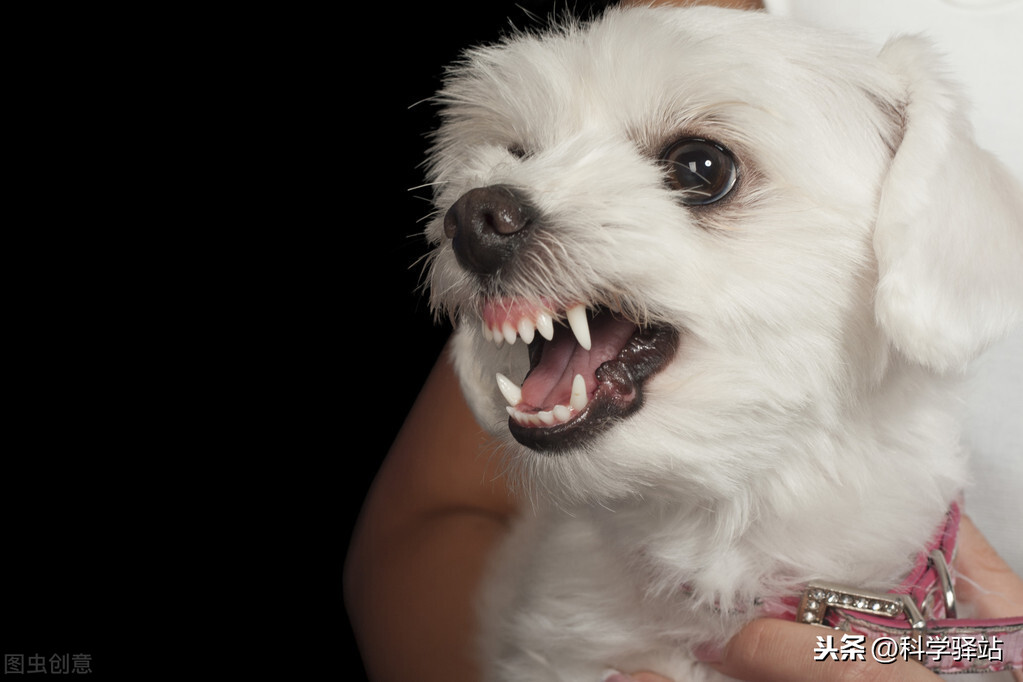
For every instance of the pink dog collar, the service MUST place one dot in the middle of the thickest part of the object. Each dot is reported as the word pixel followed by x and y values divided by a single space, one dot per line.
pixel 917 619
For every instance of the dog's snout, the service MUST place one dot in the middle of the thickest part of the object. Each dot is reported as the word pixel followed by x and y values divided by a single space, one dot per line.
pixel 486 226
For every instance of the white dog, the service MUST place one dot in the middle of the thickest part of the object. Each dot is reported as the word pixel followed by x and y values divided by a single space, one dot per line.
pixel 749 262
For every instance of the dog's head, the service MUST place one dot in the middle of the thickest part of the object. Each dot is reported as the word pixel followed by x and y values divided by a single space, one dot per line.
pixel 694 240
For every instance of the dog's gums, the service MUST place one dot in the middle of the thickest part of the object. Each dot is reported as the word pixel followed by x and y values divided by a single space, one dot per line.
pixel 583 378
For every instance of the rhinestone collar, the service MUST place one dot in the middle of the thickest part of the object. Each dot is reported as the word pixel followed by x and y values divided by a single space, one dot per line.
pixel 918 613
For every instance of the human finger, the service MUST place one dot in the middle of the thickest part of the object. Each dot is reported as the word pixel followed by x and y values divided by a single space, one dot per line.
pixel 637 677
pixel 770 650
pixel 986 582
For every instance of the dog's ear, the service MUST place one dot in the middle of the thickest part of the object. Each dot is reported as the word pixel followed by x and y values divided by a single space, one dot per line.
pixel 949 233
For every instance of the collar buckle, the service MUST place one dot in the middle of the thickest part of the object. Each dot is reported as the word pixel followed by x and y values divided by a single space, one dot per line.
pixel 936 558
pixel 818 598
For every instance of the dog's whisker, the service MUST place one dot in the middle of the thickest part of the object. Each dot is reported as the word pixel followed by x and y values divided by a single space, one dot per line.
pixel 425 185
pixel 432 215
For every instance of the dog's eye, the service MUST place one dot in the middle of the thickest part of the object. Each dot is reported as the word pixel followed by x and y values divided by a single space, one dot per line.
pixel 703 171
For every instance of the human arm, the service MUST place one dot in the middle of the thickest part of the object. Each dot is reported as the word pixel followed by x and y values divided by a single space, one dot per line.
pixel 436 508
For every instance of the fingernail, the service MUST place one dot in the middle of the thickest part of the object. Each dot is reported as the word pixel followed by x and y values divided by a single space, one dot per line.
pixel 708 652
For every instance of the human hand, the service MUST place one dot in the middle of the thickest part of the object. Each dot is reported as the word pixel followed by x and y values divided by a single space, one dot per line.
pixel 767 649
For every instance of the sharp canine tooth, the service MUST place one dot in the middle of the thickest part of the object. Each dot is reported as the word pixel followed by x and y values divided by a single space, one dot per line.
pixel 545 325
pixel 526 330
pixel 511 392
pixel 509 333
pixel 580 326
pixel 578 400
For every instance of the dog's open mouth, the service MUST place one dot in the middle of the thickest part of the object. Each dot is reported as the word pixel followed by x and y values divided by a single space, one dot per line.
pixel 583 377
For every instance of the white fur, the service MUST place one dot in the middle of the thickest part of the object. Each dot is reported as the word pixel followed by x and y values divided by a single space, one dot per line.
pixel 808 426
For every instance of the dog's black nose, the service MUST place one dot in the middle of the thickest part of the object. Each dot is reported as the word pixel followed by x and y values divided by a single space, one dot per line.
pixel 486 226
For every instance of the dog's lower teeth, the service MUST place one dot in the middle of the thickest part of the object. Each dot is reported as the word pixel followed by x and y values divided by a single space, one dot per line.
pixel 578 400
pixel 559 414
pixel 511 392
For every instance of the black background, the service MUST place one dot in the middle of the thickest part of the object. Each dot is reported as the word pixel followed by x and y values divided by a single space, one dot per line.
pixel 213 327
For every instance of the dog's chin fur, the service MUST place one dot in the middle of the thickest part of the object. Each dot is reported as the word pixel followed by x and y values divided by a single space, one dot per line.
pixel 807 425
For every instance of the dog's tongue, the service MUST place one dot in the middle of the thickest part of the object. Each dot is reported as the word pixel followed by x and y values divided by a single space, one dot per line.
pixel 549 383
